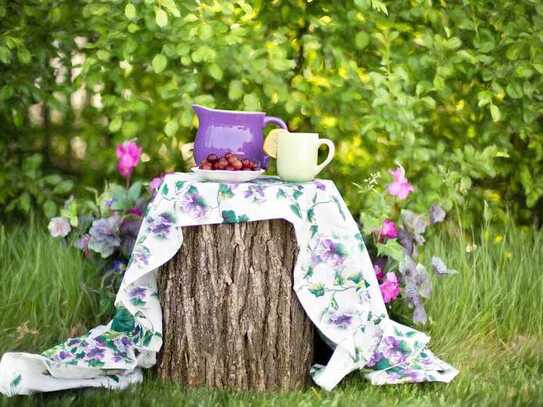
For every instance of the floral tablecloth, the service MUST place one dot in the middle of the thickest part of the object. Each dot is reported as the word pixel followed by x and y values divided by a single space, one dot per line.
pixel 333 278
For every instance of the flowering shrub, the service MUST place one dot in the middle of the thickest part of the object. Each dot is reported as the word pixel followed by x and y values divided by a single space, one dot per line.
pixel 105 228
pixel 394 236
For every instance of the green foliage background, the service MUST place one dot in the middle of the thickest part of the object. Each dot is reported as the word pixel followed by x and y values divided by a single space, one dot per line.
pixel 452 90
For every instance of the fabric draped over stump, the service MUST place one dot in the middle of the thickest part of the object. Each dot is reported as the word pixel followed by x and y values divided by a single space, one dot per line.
pixel 333 279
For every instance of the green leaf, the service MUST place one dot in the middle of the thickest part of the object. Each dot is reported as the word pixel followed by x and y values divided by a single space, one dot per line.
pixel 53 179
pixel 115 124
pixel 161 17
pixel 130 11
pixel 215 71
pixel 49 208
pixel 514 90
pixel 135 191
pixel 235 90
pixel 63 187
pixel 361 40
pixel 170 6
pixel 314 230
pixel 311 215
pixel 495 113
pixel 165 189
pixel 159 63
pixel 171 127
pixel 225 191
pixel 391 249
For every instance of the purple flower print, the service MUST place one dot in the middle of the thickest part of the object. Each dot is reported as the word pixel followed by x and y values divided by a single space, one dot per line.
pixel 161 225
pixel 95 353
pixel 194 204
pixel 119 355
pixel 141 255
pixel 341 320
pixel 255 191
pixel 375 358
pixel 137 295
pixel 73 342
pixel 100 342
pixel 63 355
pixel 329 252
pixel 320 185
pixel 392 350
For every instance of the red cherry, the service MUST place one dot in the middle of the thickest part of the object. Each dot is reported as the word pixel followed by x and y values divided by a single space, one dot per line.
pixel 237 165
pixel 222 164
pixel 246 164
pixel 212 158
pixel 230 168
pixel 203 162
pixel 228 155
pixel 206 166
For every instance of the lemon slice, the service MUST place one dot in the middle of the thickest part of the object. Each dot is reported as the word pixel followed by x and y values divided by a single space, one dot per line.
pixel 270 144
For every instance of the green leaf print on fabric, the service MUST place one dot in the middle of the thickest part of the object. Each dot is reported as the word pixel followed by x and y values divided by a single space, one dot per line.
pixel 179 185
pixel 15 382
pixel 225 191
pixel 317 289
pixel 230 216
pixel 338 204
pixel 311 215
pixel 165 190
pixel 355 278
pixel 280 194
pixel 296 194
pixel 123 321
pixel 295 208
pixel 314 230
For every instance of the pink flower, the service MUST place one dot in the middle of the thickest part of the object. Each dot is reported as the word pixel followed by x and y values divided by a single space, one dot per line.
pixel 135 211
pixel 390 288
pixel 388 230
pixel 379 267
pixel 155 183
pixel 129 155
pixel 59 227
pixel 400 187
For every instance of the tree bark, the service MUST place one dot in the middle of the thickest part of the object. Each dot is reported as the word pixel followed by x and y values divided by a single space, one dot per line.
pixel 231 317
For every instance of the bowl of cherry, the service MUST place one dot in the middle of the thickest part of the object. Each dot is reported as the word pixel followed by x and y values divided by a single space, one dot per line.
pixel 229 168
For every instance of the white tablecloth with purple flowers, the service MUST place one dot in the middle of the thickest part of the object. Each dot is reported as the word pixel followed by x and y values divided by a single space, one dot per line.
pixel 333 278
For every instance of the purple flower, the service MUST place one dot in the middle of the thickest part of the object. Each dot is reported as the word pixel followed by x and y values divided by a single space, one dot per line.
pixel 74 341
pixel 390 289
pixel 379 267
pixel 155 183
pixel 83 244
pixel 104 236
pixel 59 227
pixel 437 214
pixel 118 266
pixel 400 186
pixel 100 341
pixel 341 320
pixel 125 341
pixel 388 230
pixel 161 225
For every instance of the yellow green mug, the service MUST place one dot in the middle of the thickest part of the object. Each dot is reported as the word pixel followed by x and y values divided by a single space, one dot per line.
pixel 297 155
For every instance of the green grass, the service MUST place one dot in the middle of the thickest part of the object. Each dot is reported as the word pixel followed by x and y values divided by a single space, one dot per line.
pixel 487 321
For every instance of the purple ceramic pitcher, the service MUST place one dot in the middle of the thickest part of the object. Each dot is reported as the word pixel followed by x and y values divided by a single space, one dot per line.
pixel 223 131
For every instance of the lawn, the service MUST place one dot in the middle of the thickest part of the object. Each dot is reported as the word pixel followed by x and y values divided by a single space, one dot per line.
pixel 487 320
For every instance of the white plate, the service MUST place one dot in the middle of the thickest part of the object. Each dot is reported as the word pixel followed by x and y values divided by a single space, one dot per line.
pixel 227 176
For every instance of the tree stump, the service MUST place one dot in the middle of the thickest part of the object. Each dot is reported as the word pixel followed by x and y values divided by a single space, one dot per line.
pixel 231 317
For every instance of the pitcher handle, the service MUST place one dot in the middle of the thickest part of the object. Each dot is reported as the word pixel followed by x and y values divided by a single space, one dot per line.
pixel 274 120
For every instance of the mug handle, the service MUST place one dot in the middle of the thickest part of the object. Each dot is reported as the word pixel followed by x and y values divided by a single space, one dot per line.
pixel 331 152
pixel 274 120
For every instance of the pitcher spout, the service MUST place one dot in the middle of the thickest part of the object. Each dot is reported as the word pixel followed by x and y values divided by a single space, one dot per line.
pixel 200 110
